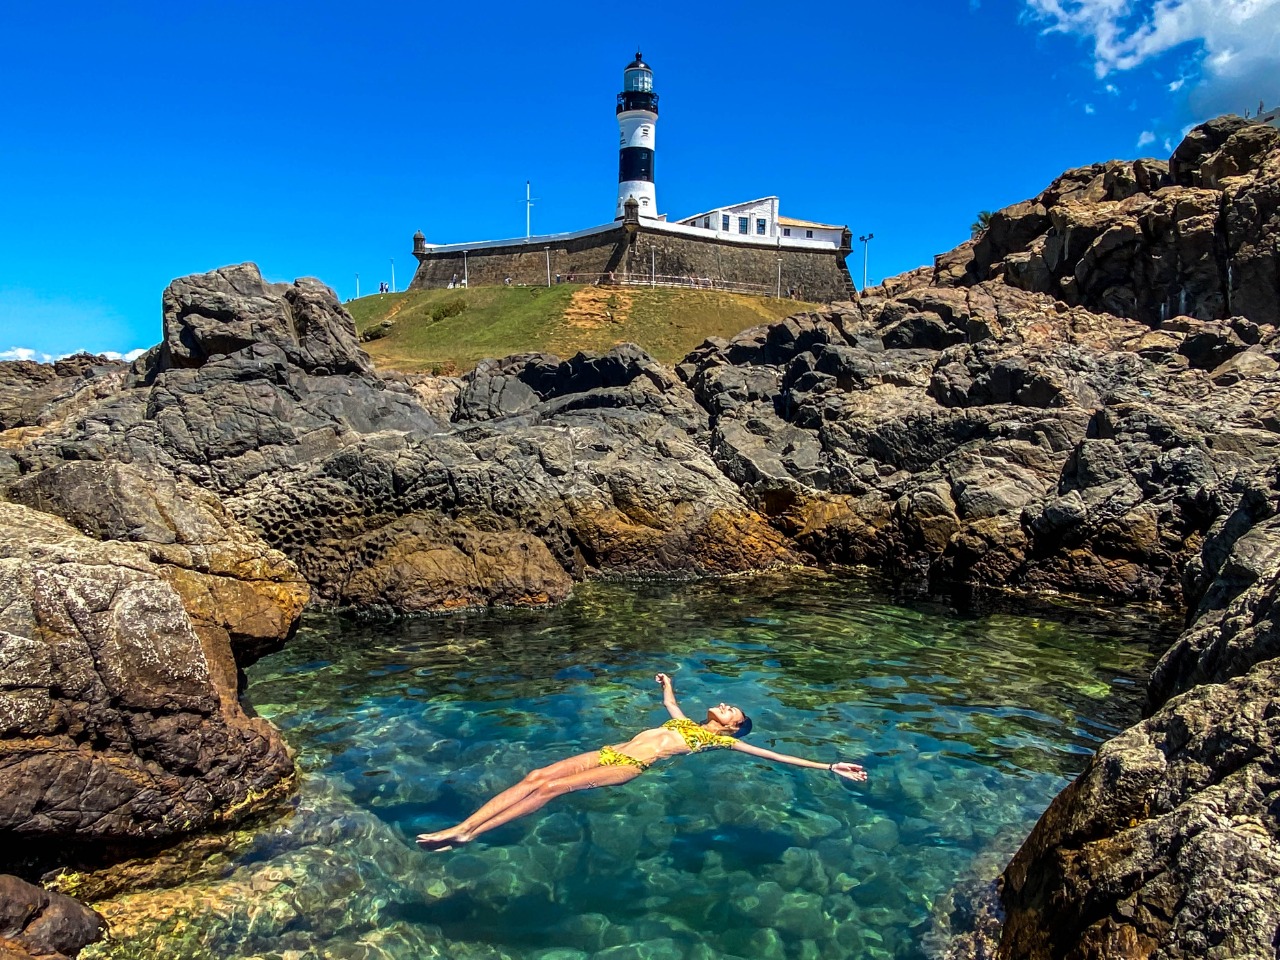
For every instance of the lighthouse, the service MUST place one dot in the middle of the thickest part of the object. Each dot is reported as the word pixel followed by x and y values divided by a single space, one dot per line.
pixel 637 118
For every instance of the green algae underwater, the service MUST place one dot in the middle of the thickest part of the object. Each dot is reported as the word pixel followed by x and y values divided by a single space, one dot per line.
pixel 968 726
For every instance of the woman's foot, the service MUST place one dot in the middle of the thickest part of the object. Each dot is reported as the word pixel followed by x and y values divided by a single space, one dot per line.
pixel 439 841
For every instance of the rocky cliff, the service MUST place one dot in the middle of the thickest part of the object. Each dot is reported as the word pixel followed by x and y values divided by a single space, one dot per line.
pixel 1084 399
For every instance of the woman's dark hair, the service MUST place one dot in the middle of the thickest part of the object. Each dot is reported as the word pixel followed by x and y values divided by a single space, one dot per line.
pixel 743 728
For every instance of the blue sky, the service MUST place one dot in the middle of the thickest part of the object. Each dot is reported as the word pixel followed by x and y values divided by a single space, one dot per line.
pixel 145 141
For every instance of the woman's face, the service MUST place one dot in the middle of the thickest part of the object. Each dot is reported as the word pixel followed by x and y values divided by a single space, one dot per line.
pixel 726 715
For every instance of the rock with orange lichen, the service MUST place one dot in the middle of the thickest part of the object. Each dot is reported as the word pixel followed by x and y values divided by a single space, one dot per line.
pixel 239 592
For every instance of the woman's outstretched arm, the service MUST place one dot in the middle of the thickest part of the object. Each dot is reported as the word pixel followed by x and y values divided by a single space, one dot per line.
pixel 669 696
pixel 850 771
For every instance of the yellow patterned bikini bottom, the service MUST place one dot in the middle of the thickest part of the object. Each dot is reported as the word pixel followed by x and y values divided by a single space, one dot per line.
pixel 610 757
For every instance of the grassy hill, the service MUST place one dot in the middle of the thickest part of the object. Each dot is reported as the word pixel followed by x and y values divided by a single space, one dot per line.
pixel 449 331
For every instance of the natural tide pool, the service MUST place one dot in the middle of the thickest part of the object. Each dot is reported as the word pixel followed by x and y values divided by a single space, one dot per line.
pixel 967 727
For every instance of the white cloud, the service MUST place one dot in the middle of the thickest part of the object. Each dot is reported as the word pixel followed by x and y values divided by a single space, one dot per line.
pixel 1112 89
pixel 1146 137
pixel 26 353
pixel 1088 108
pixel 1168 145
pixel 1177 84
pixel 1229 48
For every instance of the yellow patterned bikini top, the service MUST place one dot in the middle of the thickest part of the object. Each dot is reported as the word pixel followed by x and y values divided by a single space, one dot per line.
pixel 699 738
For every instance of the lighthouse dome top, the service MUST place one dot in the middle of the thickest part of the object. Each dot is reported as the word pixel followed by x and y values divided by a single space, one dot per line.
pixel 638 77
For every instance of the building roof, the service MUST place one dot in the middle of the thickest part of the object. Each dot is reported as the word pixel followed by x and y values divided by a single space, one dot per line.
pixel 793 222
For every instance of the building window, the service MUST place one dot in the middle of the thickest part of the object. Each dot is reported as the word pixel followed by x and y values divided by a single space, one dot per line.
pixel 760 226
pixel 724 221
pixel 808 234
pixel 706 223
pixel 786 231
pixel 744 224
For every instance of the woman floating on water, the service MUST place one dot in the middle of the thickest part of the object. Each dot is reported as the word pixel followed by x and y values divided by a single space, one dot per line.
pixel 617 764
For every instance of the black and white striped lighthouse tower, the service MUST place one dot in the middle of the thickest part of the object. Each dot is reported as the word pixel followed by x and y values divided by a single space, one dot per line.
pixel 637 118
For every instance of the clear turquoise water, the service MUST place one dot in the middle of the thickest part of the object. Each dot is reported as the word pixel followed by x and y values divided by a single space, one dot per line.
pixel 967 726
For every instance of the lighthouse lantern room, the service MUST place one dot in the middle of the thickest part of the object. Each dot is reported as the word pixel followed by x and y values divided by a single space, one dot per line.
pixel 637 120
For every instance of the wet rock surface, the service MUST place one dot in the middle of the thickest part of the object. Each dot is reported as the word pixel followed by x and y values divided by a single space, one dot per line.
pixel 116 726
pixel 36 923
pixel 1167 845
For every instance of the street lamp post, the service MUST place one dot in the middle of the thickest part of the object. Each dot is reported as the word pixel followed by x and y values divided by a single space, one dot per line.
pixel 548 250
pixel 466 280
pixel 866 239
pixel 357 286
pixel 393 274
pixel 778 294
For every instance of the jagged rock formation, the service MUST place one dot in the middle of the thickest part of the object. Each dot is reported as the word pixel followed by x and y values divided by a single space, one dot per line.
pixel 243 598
pixel 36 397
pixel 1062 450
pixel 116 724
pixel 1168 845
pixel 233 309
pixel 387 493
pixel 1147 241
pixel 1083 399
pixel 551 468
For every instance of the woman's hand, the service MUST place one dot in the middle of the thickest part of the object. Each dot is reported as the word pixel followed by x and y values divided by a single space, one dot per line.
pixel 850 771
pixel 662 680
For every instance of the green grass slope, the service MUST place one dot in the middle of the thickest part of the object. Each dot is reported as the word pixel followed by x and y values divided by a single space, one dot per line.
pixel 449 331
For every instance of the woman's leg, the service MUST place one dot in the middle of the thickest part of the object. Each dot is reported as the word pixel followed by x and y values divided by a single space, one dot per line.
pixel 548 790
pixel 512 795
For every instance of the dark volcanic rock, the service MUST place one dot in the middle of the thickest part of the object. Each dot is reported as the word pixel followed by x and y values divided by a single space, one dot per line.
pixel 37 395
pixel 1167 845
pixel 224 312
pixel 1049 453
pixel 611 478
pixel 400 492
pixel 1127 239
pixel 114 725
pixel 37 923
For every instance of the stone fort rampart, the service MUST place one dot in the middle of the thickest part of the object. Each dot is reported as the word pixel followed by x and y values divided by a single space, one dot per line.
pixel 634 251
